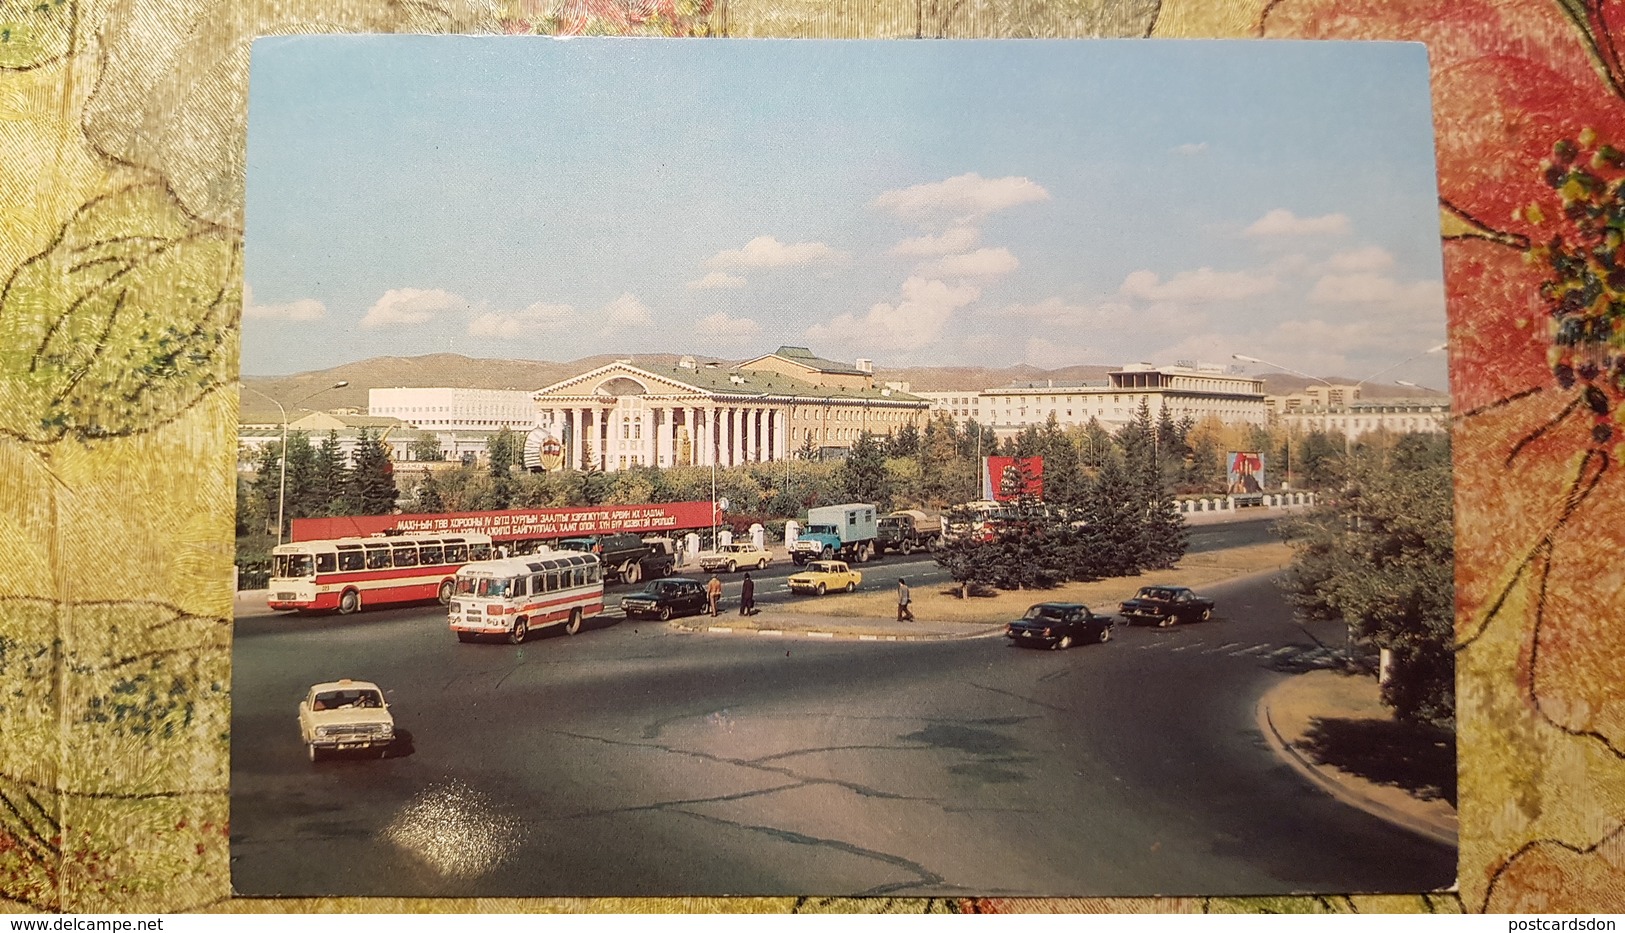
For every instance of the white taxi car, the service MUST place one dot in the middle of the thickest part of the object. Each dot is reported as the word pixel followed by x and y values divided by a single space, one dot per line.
pixel 734 556
pixel 345 714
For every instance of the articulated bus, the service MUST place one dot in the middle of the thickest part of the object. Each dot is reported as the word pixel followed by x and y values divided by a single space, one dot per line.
pixel 512 596
pixel 345 573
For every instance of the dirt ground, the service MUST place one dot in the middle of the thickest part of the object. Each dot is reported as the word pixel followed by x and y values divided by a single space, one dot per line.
pixel 943 603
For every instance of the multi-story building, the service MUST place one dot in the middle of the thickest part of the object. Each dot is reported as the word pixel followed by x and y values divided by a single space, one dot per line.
pixel 694 413
pixel 1428 415
pixel 1196 391
pixel 454 409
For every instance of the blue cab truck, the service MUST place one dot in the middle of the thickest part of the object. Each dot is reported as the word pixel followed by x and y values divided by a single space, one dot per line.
pixel 837 532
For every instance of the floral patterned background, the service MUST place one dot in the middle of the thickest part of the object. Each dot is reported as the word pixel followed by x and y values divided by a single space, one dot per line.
pixel 121 178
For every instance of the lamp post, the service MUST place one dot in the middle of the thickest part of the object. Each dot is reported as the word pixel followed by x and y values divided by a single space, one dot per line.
pixel 282 480
pixel 1433 349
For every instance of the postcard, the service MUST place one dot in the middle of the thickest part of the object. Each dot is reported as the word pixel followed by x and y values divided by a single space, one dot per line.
pixel 841 468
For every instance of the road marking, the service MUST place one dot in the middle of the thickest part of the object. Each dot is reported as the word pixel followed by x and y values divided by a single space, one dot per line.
pixel 769 631
pixel 868 638
pixel 1253 650
pixel 820 634
pixel 1287 650
pixel 1195 644
pixel 1228 644
pixel 719 628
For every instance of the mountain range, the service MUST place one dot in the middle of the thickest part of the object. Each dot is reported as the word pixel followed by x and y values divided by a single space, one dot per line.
pixel 312 390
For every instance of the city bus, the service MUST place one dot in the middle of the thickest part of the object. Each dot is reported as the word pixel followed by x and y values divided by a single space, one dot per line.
pixel 512 596
pixel 347 573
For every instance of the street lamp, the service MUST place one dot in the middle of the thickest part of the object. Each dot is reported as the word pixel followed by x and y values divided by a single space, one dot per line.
pixel 1287 369
pixel 1433 349
pixel 282 480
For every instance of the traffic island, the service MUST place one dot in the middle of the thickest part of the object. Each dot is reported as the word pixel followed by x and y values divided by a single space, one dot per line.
pixel 1332 728
pixel 942 603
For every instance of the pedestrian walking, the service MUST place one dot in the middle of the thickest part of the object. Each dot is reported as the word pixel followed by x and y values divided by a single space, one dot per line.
pixel 904 598
pixel 747 596
pixel 713 593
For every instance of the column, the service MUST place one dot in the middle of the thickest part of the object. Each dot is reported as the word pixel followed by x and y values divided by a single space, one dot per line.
pixel 751 434
pixel 671 434
pixel 713 436
pixel 654 435
pixel 736 435
pixel 783 433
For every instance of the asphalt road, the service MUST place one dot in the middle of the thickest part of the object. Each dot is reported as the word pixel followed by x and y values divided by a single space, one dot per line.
pixel 635 760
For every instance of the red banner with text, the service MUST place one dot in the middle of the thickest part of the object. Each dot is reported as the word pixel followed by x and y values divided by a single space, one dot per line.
pixel 1006 478
pixel 515 524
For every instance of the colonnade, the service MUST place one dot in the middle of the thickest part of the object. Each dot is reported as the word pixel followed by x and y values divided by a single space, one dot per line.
pixel 635 430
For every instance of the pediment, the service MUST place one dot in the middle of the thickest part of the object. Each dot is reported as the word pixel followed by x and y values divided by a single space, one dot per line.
pixel 618 379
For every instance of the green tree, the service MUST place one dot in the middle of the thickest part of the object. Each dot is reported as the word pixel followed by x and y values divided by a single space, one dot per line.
pixel 1378 556
pixel 502 455
pixel 296 495
pixel 1096 447
pixel 907 441
pixel 426 495
pixel 863 473
pixel 330 480
pixel 372 478
pixel 427 447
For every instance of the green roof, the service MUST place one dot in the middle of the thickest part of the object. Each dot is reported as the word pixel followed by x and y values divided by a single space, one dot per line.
pixel 763 382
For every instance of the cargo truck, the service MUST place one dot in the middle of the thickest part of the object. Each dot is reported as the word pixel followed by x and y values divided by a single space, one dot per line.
pixel 845 532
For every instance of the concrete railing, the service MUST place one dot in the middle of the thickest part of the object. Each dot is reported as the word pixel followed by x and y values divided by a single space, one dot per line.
pixel 1272 500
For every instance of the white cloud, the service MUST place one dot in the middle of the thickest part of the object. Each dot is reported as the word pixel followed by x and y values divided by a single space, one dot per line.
pixel 1364 259
pixel 1380 291
pixel 1051 354
pixel 625 311
pixel 408 306
pixel 955 240
pixel 618 318
pixel 983 264
pixel 1204 285
pixel 767 252
pixel 718 280
pixel 1283 223
pixel 538 320
pixel 305 309
pixel 962 198
pixel 1190 149
pixel 916 320
pixel 722 327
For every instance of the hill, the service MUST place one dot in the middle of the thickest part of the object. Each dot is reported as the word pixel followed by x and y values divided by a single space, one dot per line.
pixel 306 391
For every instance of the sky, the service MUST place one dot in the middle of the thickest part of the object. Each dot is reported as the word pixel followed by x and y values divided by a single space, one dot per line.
pixel 924 203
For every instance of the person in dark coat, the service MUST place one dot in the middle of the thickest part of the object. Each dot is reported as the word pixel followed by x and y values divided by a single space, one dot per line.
pixel 905 612
pixel 747 596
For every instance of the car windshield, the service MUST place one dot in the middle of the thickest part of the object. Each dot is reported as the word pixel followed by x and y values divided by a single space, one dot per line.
pixel 660 589
pixel 295 566
pixel 822 568
pixel 1152 592
pixel 348 699
pixel 1043 612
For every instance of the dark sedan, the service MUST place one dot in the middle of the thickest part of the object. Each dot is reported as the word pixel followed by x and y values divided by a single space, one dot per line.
pixel 662 599
pixel 1166 605
pixel 1058 626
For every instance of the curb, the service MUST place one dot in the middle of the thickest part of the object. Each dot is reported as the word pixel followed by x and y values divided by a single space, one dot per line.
pixel 1429 829
pixel 827 635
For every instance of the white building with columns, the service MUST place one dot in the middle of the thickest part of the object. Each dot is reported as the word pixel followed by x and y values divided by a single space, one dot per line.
pixel 628 413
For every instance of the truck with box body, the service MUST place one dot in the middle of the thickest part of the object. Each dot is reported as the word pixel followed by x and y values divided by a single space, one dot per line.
pixel 845 532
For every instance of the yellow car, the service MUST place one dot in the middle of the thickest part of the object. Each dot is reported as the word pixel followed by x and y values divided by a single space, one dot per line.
pixel 821 576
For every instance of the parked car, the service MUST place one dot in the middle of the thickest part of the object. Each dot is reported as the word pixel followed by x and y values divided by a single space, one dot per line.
pixel 345 714
pixel 663 599
pixel 821 576
pixel 733 556
pixel 1166 605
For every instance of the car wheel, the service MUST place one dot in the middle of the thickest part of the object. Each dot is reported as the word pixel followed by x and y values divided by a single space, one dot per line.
pixel 732 566
pixel 1105 634
pixel 1166 621
pixel 827 553
pixel 1207 614
pixel 445 593
pixel 819 589
pixel 850 586
pixel 349 602
pixel 761 564
pixel 520 629
pixel 906 549
pixel 1063 643
pixel 574 625
pixel 632 572
pixel 665 613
